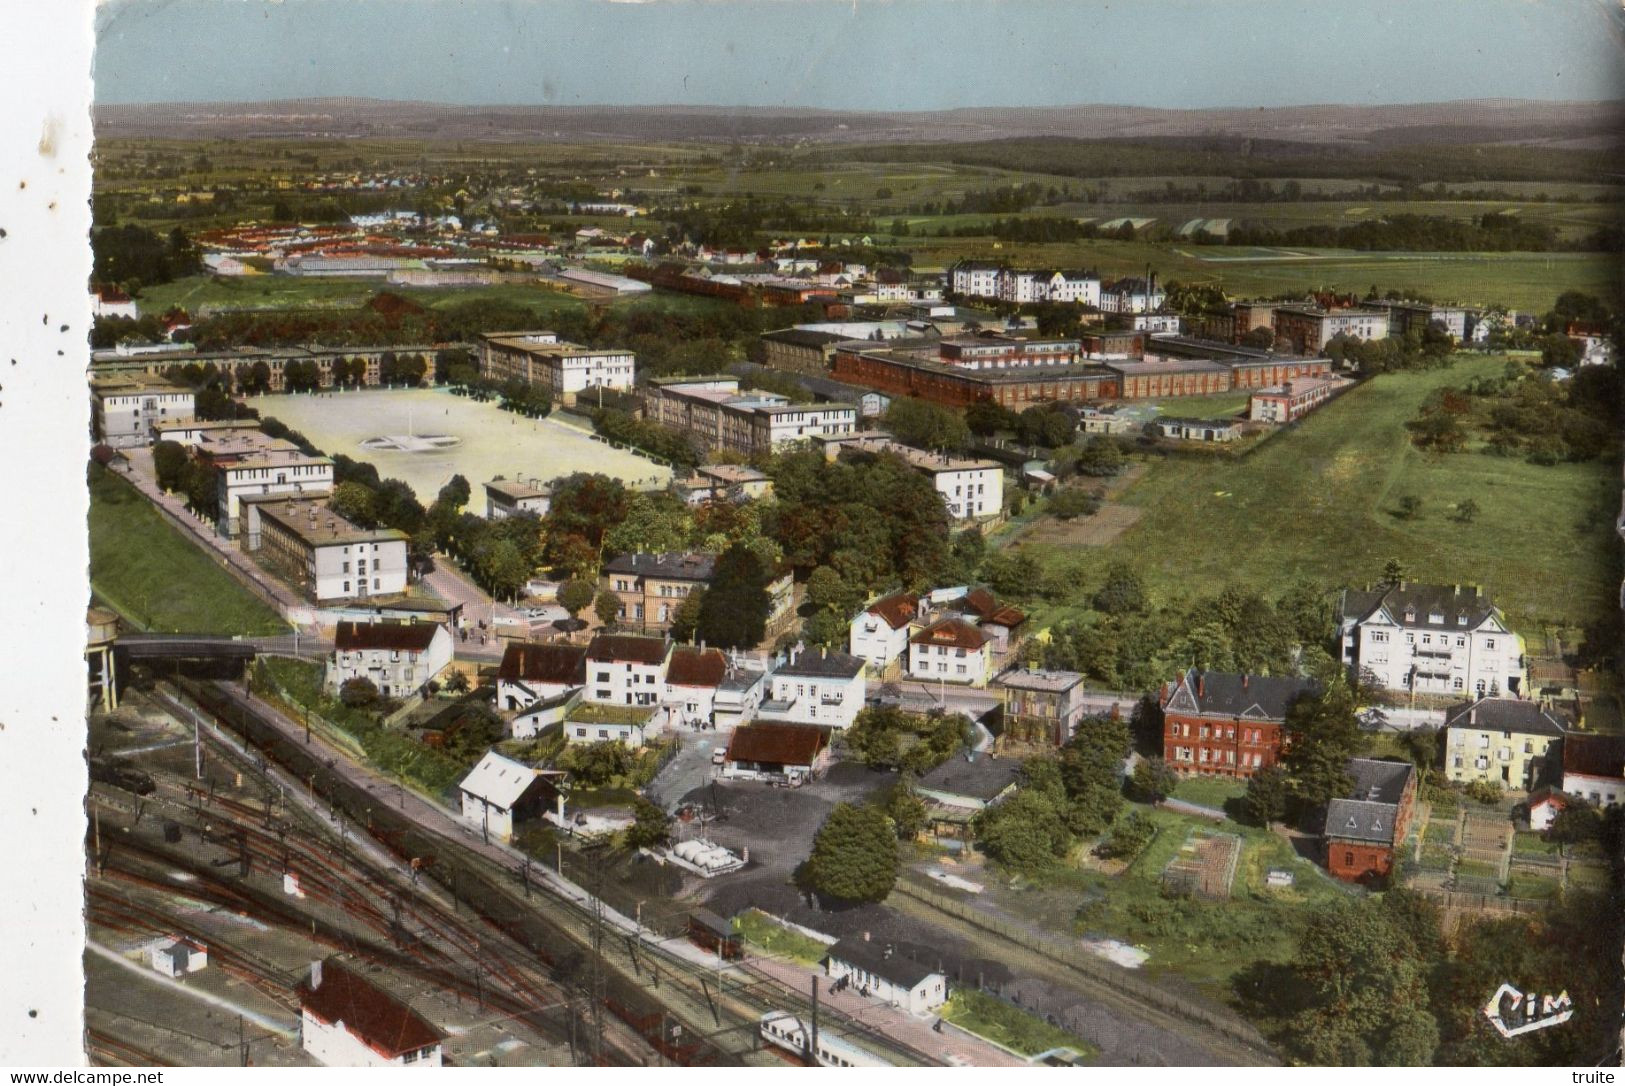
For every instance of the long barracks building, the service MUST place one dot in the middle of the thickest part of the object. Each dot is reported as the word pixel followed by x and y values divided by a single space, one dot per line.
pixel 240 362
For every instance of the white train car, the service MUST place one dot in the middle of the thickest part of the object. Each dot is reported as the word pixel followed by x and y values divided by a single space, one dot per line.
pixel 786 1031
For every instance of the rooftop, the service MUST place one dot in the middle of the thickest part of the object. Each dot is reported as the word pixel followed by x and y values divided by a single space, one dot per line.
pixel 334 993
pixel 897 609
pixel 514 490
pixel 1222 693
pixel 1048 681
pixel 396 636
pixel 529 661
pixel 782 744
pixel 1360 820
pixel 822 664
pixel 696 667
pixel 316 523
pixel 1505 715
pixel 979 777
pixel 1379 781
pixel 1594 755
pixel 674 566
pixel 953 632
pixel 881 960
pixel 1427 605
pixel 500 781
pixel 629 648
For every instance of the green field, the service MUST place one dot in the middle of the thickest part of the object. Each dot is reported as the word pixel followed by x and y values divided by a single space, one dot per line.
pixel 772 937
pixel 154 576
pixel 1319 503
pixel 1209 791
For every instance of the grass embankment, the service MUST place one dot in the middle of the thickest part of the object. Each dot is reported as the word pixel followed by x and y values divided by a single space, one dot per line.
pixel 148 571
pixel 772 937
pixel 1321 503
pixel 990 1017
pixel 299 685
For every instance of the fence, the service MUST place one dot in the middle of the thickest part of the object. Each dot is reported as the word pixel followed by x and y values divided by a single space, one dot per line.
pixel 1081 961
pixel 1460 899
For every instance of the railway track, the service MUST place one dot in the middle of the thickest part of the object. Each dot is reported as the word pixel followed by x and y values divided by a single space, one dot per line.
pixel 110 1051
pixel 538 923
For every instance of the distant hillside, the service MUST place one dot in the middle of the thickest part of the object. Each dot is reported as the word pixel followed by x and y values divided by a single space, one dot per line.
pixel 1568 124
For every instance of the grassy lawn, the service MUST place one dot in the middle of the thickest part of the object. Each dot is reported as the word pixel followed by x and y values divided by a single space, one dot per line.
pixel 1589 877
pixel 1478 869
pixel 1015 1029
pixel 774 938
pixel 1318 503
pixel 1532 843
pixel 1436 857
pixel 1441 833
pixel 145 569
pixel 1209 791
pixel 1537 887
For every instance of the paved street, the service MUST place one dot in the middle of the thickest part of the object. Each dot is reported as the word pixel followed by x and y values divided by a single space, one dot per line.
pixel 691 769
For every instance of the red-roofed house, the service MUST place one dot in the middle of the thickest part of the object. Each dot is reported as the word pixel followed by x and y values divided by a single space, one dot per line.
pixel 692 678
pixel 1594 768
pixel 345 1020
pixel 1544 807
pixel 533 672
pixel 951 650
pixel 789 753
pixel 879 634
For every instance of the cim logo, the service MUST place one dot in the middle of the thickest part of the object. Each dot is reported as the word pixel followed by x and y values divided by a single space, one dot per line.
pixel 1512 1012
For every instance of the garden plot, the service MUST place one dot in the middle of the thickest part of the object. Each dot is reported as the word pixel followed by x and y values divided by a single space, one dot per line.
pixel 1204 865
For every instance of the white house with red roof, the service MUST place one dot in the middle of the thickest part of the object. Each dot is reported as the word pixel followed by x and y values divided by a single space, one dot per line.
pixel 345 1020
pixel 879 633
pixel 951 650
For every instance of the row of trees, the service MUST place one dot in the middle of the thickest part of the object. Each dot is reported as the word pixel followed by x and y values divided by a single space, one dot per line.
pixel 661 442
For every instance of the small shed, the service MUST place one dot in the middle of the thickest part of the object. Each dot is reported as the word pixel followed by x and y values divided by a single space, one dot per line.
pixel 708 930
pixel 178 957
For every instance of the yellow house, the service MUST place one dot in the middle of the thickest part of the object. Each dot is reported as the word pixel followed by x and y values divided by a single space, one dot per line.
pixel 1503 740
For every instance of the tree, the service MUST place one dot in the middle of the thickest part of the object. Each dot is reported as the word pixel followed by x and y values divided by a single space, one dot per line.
pixel 1392 572
pixel 1122 593
pixel 1466 511
pixel 650 828
pixel 575 596
pixel 1575 823
pixel 926 425
pixel 905 809
pixel 1071 502
pixel 854 855
pixel 169 461
pixel 1266 797
pixel 1325 734
pixel 733 612
pixel 1153 780
pixel 457 682
pixel 356 503
pixel 607 607
pixel 1409 506
pixel 358 693
pixel 1026 831
pixel 1100 456
pixel 1129 836
pixel 686 619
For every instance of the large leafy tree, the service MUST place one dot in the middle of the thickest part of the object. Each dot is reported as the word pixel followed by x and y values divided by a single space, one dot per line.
pixel 854 855
pixel 1027 831
pixel 733 611
pixel 1323 734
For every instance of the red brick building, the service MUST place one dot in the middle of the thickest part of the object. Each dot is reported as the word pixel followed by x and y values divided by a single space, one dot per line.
pixel 907 373
pixel 1364 830
pixel 1217 723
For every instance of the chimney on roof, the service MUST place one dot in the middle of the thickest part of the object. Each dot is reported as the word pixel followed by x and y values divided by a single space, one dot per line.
pixel 1201 686
pixel 1244 680
pixel 1472 715
pixel 315 975
pixel 866 937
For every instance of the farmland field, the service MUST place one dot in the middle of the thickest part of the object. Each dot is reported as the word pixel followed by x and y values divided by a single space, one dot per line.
pixel 492 441
pixel 1319 503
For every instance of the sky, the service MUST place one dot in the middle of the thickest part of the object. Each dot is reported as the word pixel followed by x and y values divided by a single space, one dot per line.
pixel 861 54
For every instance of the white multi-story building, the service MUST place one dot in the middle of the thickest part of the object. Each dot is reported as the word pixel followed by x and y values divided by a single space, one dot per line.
pixel 1430 639
pixel 971 489
pixel 1023 286
pixel 565 369
pixel 324 555
pixel 248 461
pixel 622 669
pixel 975 279
pixel 128 410
pixel 714 410
pixel 1075 287
pixel 951 650
pixel 1132 296
pixel 399 659
pixel 693 677
pixel 345 1020
pixel 823 688
pixel 879 633
pixel 510 497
